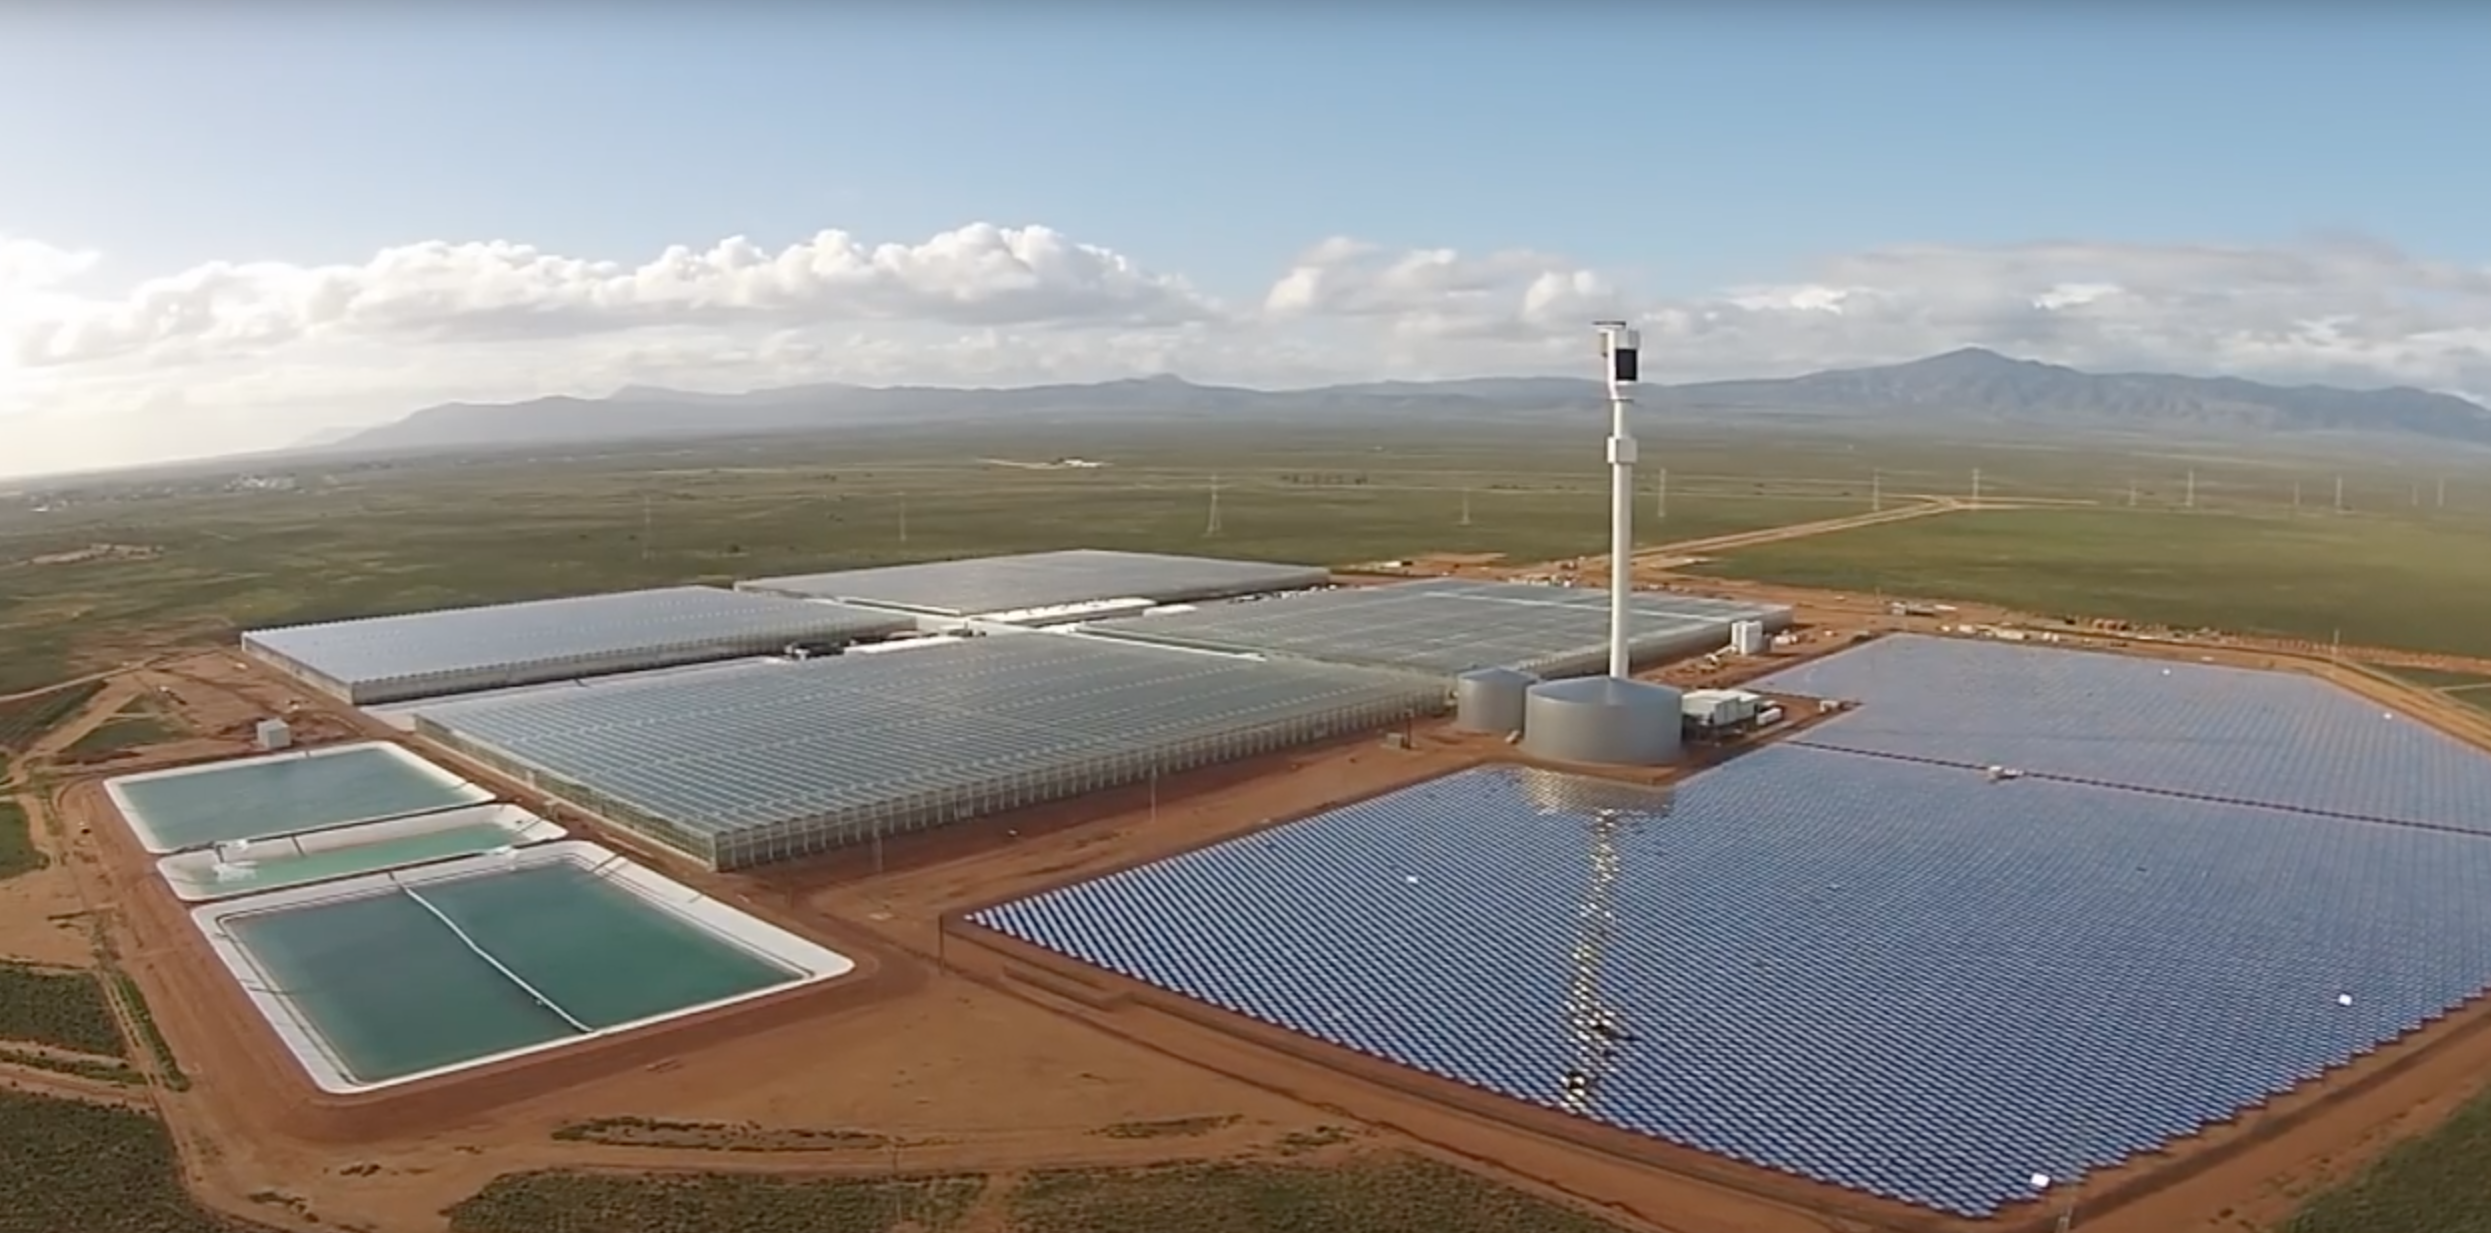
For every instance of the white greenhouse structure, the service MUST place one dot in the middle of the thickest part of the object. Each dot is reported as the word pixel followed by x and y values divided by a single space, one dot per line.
pixel 746 764
pixel 465 650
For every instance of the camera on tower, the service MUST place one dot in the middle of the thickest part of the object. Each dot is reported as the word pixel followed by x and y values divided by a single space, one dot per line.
pixel 1621 346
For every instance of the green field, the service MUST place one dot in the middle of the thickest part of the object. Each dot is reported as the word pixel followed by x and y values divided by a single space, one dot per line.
pixel 2433 678
pixel 1381 1194
pixel 2438 1183
pixel 65 1010
pixel 190 563
pixel 18 853
pixel 1378 1194
pixel 2380 581
pixel 559 1202
pixel 80 1168
pixel 25 719
pixel 135 726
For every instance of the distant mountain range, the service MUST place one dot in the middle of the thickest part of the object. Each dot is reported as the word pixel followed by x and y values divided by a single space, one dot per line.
pixel 1967 387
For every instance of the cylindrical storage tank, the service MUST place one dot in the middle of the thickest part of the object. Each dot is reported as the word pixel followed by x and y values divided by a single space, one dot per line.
pixel 1602 720
pixel 1491 699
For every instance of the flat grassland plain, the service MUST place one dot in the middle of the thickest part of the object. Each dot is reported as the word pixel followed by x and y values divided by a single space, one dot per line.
pixel 99 575
pixel 114 573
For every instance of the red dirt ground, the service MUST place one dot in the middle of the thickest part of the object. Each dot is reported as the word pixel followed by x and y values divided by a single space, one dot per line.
pixel 940 1045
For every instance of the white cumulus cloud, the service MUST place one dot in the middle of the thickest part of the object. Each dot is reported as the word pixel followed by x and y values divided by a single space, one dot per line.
pixel 242 355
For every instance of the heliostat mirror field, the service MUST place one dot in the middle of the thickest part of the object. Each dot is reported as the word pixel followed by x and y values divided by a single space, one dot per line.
pixel 1898 976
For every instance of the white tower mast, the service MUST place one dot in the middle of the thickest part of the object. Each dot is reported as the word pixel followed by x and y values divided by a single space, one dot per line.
pixel 1619 347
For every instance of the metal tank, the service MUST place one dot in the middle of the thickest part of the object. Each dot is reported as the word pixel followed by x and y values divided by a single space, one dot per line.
pixel 1491 699
pixel 1604 720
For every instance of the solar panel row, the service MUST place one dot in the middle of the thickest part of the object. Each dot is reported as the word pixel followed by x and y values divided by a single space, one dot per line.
pixel 2269 738
pixel 1448 626
pixel 427 654
pixel 750 763
pixel 1896 977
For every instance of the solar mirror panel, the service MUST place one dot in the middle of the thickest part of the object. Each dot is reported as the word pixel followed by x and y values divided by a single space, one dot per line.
pixel 2269 738
pixel 1896 977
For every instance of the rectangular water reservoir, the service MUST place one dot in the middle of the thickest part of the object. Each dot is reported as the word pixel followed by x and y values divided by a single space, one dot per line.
pixel 248 867
pixel 395 977
pixel 283 794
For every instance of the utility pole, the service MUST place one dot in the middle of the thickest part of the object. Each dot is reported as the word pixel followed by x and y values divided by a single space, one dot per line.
pixel 648 526
pixel 1212 527
pixel 1660 494
pixel 2339 494
pixel 903 518
pixel 2190 501
pixel 1976 487
pixel 1466 507
pixel 1876 492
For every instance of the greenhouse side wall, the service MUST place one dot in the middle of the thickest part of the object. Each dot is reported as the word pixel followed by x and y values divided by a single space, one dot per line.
pixel 698 845
pixel 765 844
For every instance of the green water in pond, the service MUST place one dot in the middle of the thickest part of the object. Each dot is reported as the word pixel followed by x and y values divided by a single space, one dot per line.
pixel 274 870
pixel 395 990
pixel 220 804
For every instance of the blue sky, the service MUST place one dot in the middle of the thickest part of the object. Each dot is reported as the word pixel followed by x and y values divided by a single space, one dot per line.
pixel 1688 144
pixel 233 224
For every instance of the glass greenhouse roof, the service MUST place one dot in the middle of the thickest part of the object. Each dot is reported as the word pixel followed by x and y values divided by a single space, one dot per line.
pixel 751 745
pixel 1044 580
pixel 555 630
pixel 1447 626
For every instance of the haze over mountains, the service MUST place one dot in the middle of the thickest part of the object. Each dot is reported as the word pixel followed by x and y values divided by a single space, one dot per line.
pixel 1968 387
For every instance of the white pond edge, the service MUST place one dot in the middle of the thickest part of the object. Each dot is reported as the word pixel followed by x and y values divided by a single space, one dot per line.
pixel 156 845
pixel 811 963
pixel 192 873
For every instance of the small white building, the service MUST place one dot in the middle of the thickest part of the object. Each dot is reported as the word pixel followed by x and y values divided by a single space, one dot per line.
pixel 273 735
pixel 1719 708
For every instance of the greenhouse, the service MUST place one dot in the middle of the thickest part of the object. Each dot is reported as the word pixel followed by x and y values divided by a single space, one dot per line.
pixel 1448 626
pixel 977 585
pixel 746 764
pixel 461 650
